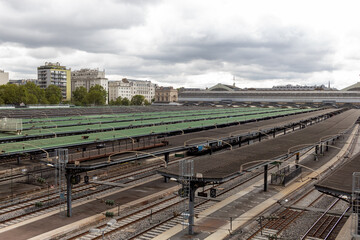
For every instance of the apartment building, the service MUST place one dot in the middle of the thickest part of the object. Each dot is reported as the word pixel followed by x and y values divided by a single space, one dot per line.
pixel 88 78
pixel 127 88
pixel 166 95
pixel 55 74
pixel 4 77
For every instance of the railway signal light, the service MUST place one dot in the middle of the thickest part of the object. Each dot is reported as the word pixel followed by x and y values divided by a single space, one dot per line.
pixel 86 179
pixel 78 179
pixel 213 192
pixel 202 194
pixel 183 192
pixel 75 179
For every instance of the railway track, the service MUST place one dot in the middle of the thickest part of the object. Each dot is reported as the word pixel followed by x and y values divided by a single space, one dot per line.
pixel 161 227
pixel 50 198
pixel 25 210
pixel 164 224
pixel 112 174
pixel 42 213
pixel 327 226
pixel 274 227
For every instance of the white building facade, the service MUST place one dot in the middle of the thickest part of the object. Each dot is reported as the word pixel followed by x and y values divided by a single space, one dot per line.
pixel 88 78
pixel 127 88
pixel 4 77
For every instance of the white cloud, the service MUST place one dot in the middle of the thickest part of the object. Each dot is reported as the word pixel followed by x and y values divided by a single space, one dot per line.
pixel 186 43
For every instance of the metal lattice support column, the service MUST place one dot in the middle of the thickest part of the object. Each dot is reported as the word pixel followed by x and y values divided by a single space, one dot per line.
pixel 61 161
pixel 68 193
pixel 356 204
pixel 186 172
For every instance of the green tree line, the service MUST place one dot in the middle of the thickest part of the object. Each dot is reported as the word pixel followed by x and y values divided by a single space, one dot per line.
pixel 135 100
pixel 95 96
pixel 29 93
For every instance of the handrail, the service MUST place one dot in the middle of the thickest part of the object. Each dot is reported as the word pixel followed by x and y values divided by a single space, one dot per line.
pixel 131 151
pixel 185 143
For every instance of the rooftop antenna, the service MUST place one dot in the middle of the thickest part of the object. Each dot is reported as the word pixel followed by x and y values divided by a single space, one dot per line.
pixel 329 85
pixel 234 81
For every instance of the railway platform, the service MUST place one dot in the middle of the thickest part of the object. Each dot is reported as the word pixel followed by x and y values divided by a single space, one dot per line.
pixel 51 224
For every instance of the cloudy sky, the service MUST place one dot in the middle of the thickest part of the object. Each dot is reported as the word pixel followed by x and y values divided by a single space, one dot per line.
pixel 187 43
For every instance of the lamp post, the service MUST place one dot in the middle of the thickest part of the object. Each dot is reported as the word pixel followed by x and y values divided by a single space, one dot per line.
pixel 31 145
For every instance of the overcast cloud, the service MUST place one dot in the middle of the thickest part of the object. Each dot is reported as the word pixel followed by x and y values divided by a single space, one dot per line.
pixel 186 43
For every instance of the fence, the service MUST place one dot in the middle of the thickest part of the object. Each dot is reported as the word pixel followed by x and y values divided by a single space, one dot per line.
pixel 285 175
pixel 11 125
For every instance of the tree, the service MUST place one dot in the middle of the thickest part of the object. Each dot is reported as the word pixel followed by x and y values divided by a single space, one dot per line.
pixel 12 94
pixel 146 102
pixel 53 94
pixel 125 102
pixel 23 94
pixel 31 99
pixel 118 101
pixel 137 100
pixel 111 102
pixel 80 96
pixel 96 95
pixel 35 91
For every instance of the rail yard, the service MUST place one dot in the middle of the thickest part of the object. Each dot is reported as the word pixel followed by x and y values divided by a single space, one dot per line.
pixel 178 172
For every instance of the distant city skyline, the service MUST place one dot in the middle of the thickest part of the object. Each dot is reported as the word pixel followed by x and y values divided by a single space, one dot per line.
pixel 186 43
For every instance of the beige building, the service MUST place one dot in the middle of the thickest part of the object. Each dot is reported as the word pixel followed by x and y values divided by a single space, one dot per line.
pixel 127 88
pixel 55 74
pixel 166 94
pixel 88 78
pixel 4 77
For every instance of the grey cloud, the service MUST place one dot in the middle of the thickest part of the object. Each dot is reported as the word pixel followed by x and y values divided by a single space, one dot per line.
pixel 285 49
pixel 84 25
